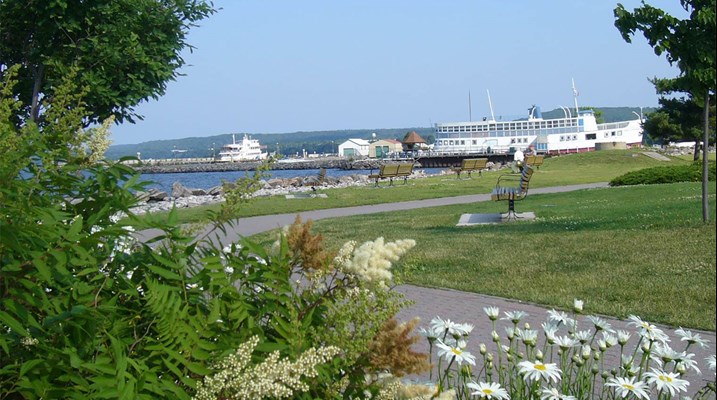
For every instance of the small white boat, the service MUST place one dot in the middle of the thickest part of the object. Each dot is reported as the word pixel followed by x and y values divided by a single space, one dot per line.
pixel 578 132
pixel 246 150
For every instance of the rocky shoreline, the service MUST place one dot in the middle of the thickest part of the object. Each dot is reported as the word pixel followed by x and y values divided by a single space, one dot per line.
pixel 148 167
pixel 155 200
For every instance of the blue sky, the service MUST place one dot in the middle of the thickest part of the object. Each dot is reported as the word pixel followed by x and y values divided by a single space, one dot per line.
pixel 280 66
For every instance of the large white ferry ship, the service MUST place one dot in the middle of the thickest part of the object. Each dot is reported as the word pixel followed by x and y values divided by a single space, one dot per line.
pixel 578 132
pixel 246 150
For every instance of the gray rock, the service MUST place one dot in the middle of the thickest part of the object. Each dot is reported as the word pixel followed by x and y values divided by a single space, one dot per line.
pixel 216 191
pixel 178 190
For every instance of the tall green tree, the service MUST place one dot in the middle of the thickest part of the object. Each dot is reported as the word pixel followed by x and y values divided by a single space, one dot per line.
pixel 689 44
pixel 678 120
pixel 127 50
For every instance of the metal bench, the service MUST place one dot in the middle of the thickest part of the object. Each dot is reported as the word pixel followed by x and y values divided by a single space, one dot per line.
pixel 471 164
pixel 534 160
pixel 391 171
pixel 511 188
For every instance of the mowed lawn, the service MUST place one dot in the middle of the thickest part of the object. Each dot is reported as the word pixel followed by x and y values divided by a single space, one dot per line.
pixel 640 250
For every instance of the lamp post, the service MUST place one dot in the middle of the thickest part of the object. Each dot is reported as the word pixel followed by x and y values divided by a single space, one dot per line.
pixel 639 115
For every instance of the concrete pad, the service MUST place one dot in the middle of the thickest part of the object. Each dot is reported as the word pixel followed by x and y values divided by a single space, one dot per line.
pixel 484 219
pixel 656 156
pixel 306 195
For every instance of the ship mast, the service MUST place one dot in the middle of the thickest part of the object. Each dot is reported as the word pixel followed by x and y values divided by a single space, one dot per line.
pixel 575 96
pixel 490 104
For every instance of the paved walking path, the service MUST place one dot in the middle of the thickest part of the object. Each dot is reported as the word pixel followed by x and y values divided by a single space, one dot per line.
pixel 253 225
pixel 460 306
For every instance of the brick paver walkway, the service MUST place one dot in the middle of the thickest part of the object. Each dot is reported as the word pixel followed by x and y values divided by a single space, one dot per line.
pixel 459 306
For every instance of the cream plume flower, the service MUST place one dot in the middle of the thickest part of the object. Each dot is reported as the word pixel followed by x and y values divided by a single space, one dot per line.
pixel 371 261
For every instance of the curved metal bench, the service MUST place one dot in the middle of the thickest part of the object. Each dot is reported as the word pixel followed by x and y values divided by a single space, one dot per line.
pixel 511 188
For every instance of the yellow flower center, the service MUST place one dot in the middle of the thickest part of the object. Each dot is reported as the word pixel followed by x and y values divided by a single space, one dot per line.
pixel 487 391
pixel 665 378
pixel 540 367
pixel 456 351
pixel 628 386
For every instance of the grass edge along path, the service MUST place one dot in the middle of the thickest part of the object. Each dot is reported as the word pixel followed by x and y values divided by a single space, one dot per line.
pixel 631 250
pixel 572 169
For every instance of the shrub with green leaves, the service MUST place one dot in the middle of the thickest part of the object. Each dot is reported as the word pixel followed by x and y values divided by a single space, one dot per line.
pixel 668 174
pixel 86 311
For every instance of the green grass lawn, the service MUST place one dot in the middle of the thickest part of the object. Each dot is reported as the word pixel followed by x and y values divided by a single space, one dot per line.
pixel 640 250
pixel 599 166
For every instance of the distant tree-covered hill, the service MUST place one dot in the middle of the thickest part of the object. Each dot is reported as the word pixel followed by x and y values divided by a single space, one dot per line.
pixel 312 142
pixel 286 143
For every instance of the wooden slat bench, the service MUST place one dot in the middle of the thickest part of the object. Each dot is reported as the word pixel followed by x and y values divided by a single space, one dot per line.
pixel 534 160
pixel 390 171
pixel 511 188
pixel 471 164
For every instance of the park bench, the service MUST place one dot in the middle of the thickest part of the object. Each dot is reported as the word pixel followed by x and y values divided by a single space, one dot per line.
pixel 534 160
pixel 391 171
pixel 511 188
pixel 471 164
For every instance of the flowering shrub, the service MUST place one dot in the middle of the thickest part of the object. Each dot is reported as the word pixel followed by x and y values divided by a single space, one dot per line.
pixel 87 311
pixel 569 364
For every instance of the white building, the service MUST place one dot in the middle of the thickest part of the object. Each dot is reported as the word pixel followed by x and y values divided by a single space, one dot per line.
pixel 354 148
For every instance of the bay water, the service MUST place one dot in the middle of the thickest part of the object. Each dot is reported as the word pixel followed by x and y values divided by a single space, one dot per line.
pixel 207 180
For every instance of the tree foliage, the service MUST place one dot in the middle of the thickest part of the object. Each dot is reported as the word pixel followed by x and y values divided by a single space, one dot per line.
pixel 678 120
pixel 87 311
pixel 127 50
pixel 688 43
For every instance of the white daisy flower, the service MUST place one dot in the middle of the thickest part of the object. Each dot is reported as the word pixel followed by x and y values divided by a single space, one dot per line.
pixel 550 328
pixel 711 363
pixel 430 334
pixel 691 338
pixel 626 386
pixel 488 390
pixel 666 381
pixel 538 370
pixel 528 336
pixel 583 336
pixel 560 317
pixel 466 329
pixel 600 324
pixel 626 361
pixel 514 316
pixel 609 338
pixel 663 354
pixel 510 332
pixel 685 360
pixel 623 337
pixel 648 330
pixel 449 352
pixel 452 328
pixel 565 342
pixel 491 312
pixel 553 394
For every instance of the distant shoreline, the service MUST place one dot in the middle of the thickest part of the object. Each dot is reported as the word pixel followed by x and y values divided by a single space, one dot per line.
pixel 188 167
